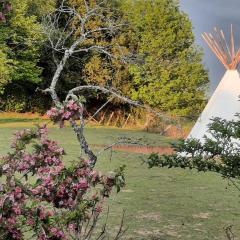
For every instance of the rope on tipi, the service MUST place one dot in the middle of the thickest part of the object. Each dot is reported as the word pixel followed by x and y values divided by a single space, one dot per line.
pixel 225 52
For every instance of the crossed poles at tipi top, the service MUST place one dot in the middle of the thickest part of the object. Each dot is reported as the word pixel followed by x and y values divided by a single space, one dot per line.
pixel 225 52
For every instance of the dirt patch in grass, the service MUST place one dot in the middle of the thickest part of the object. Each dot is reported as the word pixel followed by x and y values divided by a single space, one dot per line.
pixel 157 234
pixel 202 215
pixel 150 216
pixel 149 233
pixel 144 149
pixel 139 149
pixel 172 233
pixel 127 190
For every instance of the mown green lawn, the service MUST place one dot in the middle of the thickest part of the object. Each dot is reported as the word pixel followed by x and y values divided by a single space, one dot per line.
pixel 159 203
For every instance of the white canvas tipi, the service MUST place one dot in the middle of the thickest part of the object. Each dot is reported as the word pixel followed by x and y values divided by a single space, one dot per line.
pixel 224 102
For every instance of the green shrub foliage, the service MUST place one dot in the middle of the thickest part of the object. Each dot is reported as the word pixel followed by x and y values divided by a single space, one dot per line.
pixel 220 151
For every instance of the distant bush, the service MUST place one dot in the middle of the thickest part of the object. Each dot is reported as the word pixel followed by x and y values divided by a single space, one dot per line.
pixel 19 99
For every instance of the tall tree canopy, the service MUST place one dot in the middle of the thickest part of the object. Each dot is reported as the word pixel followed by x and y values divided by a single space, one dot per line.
pixel 171 76
pixel 21 44
pixel 20 37
pixel 4 69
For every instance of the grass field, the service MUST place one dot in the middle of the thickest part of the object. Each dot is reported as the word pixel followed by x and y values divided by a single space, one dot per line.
pixel 159 203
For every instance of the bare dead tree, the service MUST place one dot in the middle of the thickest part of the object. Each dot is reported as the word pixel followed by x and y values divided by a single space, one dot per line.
pixel 68 33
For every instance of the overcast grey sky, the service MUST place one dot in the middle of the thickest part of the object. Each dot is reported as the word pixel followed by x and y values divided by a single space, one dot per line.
pixel 205 15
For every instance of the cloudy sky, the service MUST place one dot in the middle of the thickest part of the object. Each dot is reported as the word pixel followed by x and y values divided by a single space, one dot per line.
pixel 205 15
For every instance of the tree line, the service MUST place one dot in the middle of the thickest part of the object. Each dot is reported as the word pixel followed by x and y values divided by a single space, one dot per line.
pixel 163 68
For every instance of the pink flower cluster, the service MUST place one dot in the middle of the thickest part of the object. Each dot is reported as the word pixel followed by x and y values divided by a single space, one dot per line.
pixel 57 192
pixel 46 153
pixel 69 110
pixel 50 232
pixel 63 188
pixel 11 203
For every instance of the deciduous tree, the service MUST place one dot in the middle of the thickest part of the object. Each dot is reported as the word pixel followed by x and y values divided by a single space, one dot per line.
pixel 20 36
pixel 171 76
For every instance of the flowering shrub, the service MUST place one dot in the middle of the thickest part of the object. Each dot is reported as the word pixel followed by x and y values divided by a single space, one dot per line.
pixel 69 110
pixel 42 198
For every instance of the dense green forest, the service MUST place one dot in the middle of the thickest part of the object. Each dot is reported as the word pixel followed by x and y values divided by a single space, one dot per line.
pixel 163 70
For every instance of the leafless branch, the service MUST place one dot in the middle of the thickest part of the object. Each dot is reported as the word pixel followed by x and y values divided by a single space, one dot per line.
pixel 120 141
pixel 234 184
pixel 229 233
pixel 103 90
pixel 101 108
pixel 121 231
pixel 83 142
pixel 119 96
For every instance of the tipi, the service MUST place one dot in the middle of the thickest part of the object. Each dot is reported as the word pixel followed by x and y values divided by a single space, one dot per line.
pixel 224 102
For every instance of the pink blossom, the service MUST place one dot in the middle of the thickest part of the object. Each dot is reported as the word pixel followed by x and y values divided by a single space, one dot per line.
pixel 2 17
pixel 42 214
pixel 57 233
pixel 50 213
pixel 8 7
pixel 61 111
pixel 18 190
pixel 71 105
pixel 42 236
pixel 52 112
pixel 16 209
pixel 94 175
pixel 67 115
pixel 11 221
pixel 57 169
pixel 37 190
pixel 83 184
pixel 98 209
pixel 34 191
pixel 72 227
pixel 30 221
pixel 18 193
pixel 43 130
